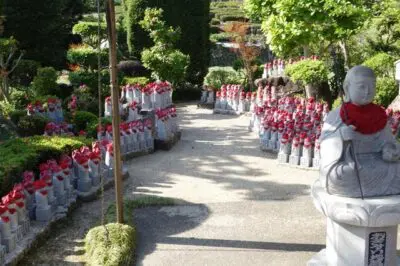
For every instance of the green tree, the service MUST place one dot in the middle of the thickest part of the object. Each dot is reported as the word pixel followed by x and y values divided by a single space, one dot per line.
pixel 166 62
pixel 289 24
pixel 192 17
pixel 42 27
pixel 9 60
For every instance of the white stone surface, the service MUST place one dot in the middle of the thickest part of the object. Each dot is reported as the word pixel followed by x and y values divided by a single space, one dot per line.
pixel 359 232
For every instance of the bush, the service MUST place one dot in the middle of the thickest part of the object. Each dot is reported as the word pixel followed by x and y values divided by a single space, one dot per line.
pixel 215 22
pixel 337 103
pixel 138 80
pixel 117 251
pixel 90 79
pixel 215 29
pixel 192 18
pixel 87 57
pixel 221 37
pixel 20 99
pixel 89 32
pixel 15 116
pixel 308 72
pixel 382 64
pixel 19 155
pixel 82 119
pixel 234 18
pixel 186 92
pixel 6 108
pixel 217 76
pixel 24 73
pixel 45 81
pixel 133 68
pixel 386 91
pixel 91 128
pixel 32 125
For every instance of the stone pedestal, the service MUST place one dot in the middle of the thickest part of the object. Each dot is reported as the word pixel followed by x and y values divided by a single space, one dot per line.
pixel 359 232
pixel 283 158
pixel 294 160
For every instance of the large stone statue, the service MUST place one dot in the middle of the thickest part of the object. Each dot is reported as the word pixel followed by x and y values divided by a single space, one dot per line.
pixel 365 125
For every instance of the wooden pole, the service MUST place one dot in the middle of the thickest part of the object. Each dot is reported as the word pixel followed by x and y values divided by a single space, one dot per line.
pixel 112 40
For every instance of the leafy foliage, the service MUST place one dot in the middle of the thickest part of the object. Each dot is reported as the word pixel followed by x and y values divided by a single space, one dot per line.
pixel 45 81
pixel 386 91
pixel 89 32
pixel 137 80
pixel 82 119
pixel 32 125
pixel 165 62
pixel 87 57
pixel 192 17
pixel 308 72
pixel 217 76
pixel 382 64
pixel 24 73
pixel 247 53
pixel 289 24
pixel 43 28
pixel 23 154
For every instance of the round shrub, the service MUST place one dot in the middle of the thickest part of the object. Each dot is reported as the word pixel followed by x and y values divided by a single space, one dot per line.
pixel 32 125
pixel 217 76
pixel 82 119
pixel 386 91
pixel 138 80
pixel 382 64
pixel 133 68
pixel 91 128
pixel 45 81
pixel 15 116
pixel 86 57
pixel 308 72
pixel 20 99
pixel 115 250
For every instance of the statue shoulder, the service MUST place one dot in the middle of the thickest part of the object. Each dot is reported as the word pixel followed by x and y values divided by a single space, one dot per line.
pixel 332 123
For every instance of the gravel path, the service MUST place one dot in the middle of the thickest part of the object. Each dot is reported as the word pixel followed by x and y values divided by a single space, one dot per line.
pixel 244 209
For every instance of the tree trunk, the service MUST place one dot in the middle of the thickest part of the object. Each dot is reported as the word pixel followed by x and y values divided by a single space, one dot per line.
pixel 5 89
pixel 306 50
pixel 311 90
pixel 343 47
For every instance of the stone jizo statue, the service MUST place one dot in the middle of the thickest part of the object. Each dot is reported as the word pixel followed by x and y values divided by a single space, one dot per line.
pixel 358 134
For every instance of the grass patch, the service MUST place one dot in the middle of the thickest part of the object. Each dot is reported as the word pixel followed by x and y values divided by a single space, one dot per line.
pixel 131 205
pixel 116 249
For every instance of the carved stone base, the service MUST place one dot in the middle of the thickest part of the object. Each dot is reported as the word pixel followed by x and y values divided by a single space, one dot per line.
pixel 283 158
pixel 43 214
pixel 359 232
pixel 9 243
pixel 84 185
pixel 305 161
pixel 294 160
pixel 315 163
pixel 272 145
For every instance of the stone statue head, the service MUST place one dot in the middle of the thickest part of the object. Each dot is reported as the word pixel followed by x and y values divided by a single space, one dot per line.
pixel 359 85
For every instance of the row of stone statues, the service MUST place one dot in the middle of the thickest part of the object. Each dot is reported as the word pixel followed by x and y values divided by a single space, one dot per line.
pixel 231 99
pixel 54 110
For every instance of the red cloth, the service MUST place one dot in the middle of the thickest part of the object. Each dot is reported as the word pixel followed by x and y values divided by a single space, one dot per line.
pixel 367 119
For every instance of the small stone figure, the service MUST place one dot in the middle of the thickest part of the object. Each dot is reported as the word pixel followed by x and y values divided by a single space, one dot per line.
pixel 284 149
pixel 294 157
pixel 43 208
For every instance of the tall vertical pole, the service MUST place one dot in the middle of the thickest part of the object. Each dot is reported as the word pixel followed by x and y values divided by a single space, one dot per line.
pixel 112 40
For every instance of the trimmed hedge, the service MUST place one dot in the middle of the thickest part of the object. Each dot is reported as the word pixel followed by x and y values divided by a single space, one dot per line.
pixel 193 19
pixel 21 154
pixel 143 81
pixel 82 119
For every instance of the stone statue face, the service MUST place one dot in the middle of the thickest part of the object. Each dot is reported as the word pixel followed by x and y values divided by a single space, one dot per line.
pixel 359 85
